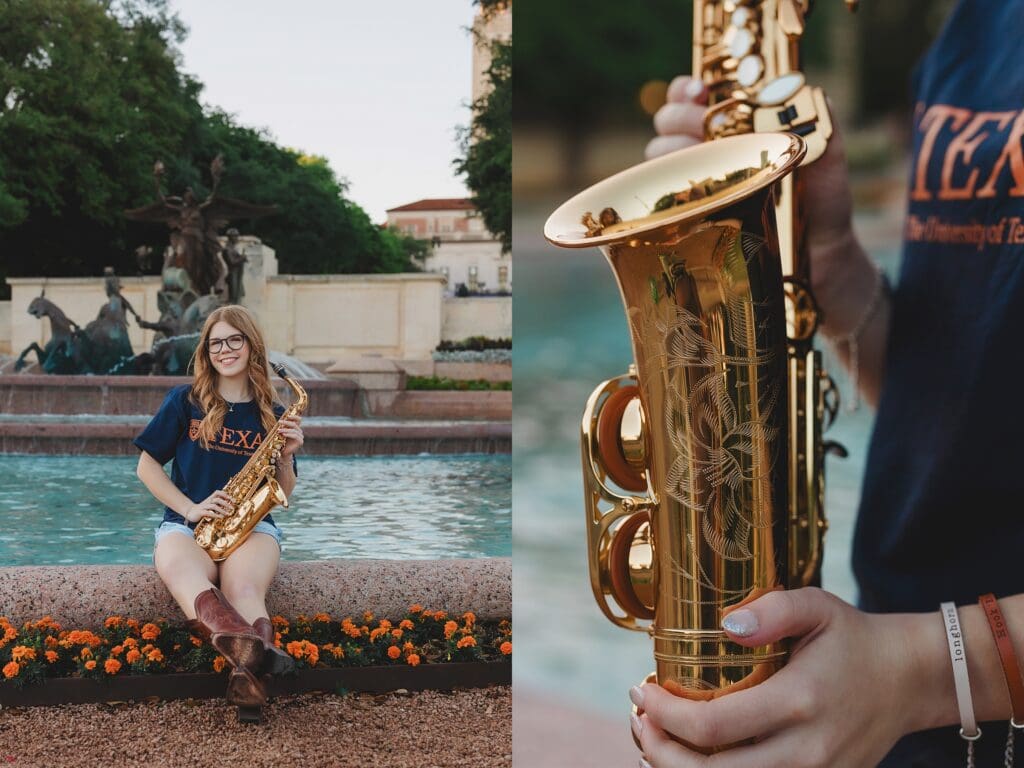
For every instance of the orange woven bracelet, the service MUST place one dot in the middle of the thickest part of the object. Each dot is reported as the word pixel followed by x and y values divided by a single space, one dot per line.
pixel 1004 645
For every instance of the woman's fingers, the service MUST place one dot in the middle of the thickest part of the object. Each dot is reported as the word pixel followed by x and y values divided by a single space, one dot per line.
pixel 776 752
pixel 686 88
pixel 758 711
pixel 686 119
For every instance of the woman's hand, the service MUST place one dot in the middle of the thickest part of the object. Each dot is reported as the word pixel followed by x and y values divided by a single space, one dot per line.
pixel 288 427
pixel 828 205
pixel 846 696
pixel 217 504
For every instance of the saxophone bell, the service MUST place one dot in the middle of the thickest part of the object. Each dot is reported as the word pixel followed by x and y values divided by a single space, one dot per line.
pixel 685 457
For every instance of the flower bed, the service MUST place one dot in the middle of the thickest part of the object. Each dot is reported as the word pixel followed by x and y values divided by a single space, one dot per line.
pixel 127 647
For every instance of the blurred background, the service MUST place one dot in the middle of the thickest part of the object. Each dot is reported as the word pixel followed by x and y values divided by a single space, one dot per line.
pixel 586 85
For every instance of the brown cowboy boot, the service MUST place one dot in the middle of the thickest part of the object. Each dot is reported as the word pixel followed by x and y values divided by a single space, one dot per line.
pixel 275 661
pixel 237 642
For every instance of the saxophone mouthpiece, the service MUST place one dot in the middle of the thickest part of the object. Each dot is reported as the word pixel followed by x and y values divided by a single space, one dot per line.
pixel 279 369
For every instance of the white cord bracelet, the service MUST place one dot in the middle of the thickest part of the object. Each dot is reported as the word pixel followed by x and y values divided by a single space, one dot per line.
pixel 969 730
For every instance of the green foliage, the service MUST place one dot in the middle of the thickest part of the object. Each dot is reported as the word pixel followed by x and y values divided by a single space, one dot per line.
pixel 91 95
pixel 444 383
pixel 487 148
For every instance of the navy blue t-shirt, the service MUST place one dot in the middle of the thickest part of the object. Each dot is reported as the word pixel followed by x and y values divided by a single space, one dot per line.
pixel 940 516
pixel 173 433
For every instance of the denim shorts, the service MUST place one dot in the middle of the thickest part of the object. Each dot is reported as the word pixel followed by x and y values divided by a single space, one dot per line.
pixel 165 528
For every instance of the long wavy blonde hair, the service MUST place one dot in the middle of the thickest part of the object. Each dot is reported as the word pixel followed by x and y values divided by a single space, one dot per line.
pixel 204 385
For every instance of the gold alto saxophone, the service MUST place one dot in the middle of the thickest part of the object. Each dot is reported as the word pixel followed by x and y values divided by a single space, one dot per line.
pixel 254 490
pixel 703 466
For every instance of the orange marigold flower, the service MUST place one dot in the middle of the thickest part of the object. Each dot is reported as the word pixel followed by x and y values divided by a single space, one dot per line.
pixel 406 624
pixel 90 664
pixel 11 669
pixel 51 656
pixel 408 646
pixel 195 641
pixel 322 617
pixel 466 642
pixel 112 621
pixel 377 633
pixel 367 617
pixel 132 623
pixel 218 664
pixel 131 642
pixel 385 624
pixel 147 648
pixel 354 632
pixel 469 617
pixel 449 629
pixel 10 633
pixel 412 660
pixel 112 666
pixel 150 632
pixel 415 608
pixel 338 653
pixel 51 641
pixel 279 621
pixel 86 653
pixel 132 656
pixel 295 648
pixel 394 652
pixel 506 648
pixel 156 655
pixel 22 652
pixel 440 616
pixel 396 633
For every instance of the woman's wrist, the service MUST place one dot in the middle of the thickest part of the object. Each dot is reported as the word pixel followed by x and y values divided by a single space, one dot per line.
pixel 931 692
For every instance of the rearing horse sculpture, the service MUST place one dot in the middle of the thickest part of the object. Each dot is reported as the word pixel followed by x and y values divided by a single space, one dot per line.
pixel 62 353
pixel 102 345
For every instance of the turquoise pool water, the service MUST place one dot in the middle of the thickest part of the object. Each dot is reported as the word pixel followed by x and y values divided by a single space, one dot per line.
pixel 87 509
pixel 571 334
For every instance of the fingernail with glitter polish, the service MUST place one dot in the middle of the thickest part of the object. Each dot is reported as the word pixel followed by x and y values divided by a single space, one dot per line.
pixel 742 623
pixel 636 695
pixel 636 723
pixel 694 88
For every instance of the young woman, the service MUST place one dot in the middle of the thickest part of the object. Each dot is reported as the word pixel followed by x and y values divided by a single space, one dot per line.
pixel 210 428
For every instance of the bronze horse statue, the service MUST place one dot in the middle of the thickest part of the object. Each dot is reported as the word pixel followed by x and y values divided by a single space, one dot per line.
pixel 97 348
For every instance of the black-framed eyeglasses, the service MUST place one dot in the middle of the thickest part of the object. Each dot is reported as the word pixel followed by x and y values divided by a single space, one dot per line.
pixel 234 343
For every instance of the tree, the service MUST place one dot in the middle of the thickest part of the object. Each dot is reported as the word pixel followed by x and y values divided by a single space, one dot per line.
pixel 91 95
pixel 487 147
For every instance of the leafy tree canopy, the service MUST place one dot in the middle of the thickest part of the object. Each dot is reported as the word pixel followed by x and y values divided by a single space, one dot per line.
pixel 91 95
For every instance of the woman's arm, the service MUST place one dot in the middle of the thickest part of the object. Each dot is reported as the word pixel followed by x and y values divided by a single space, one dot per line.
pixel 159 484
pixel 288 427
pixel 286 475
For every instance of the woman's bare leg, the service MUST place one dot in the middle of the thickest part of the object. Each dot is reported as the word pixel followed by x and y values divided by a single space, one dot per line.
pixel 247 573
pixel 185 568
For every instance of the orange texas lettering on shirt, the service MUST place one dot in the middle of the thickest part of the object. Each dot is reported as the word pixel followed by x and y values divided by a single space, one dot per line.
pixel 227 440
pixel 965 131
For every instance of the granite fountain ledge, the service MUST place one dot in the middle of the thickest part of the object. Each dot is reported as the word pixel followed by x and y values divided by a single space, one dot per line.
pixel 125 395
pixel 83 596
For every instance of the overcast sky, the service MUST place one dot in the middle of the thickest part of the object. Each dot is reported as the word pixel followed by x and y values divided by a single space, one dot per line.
pixel 376 88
